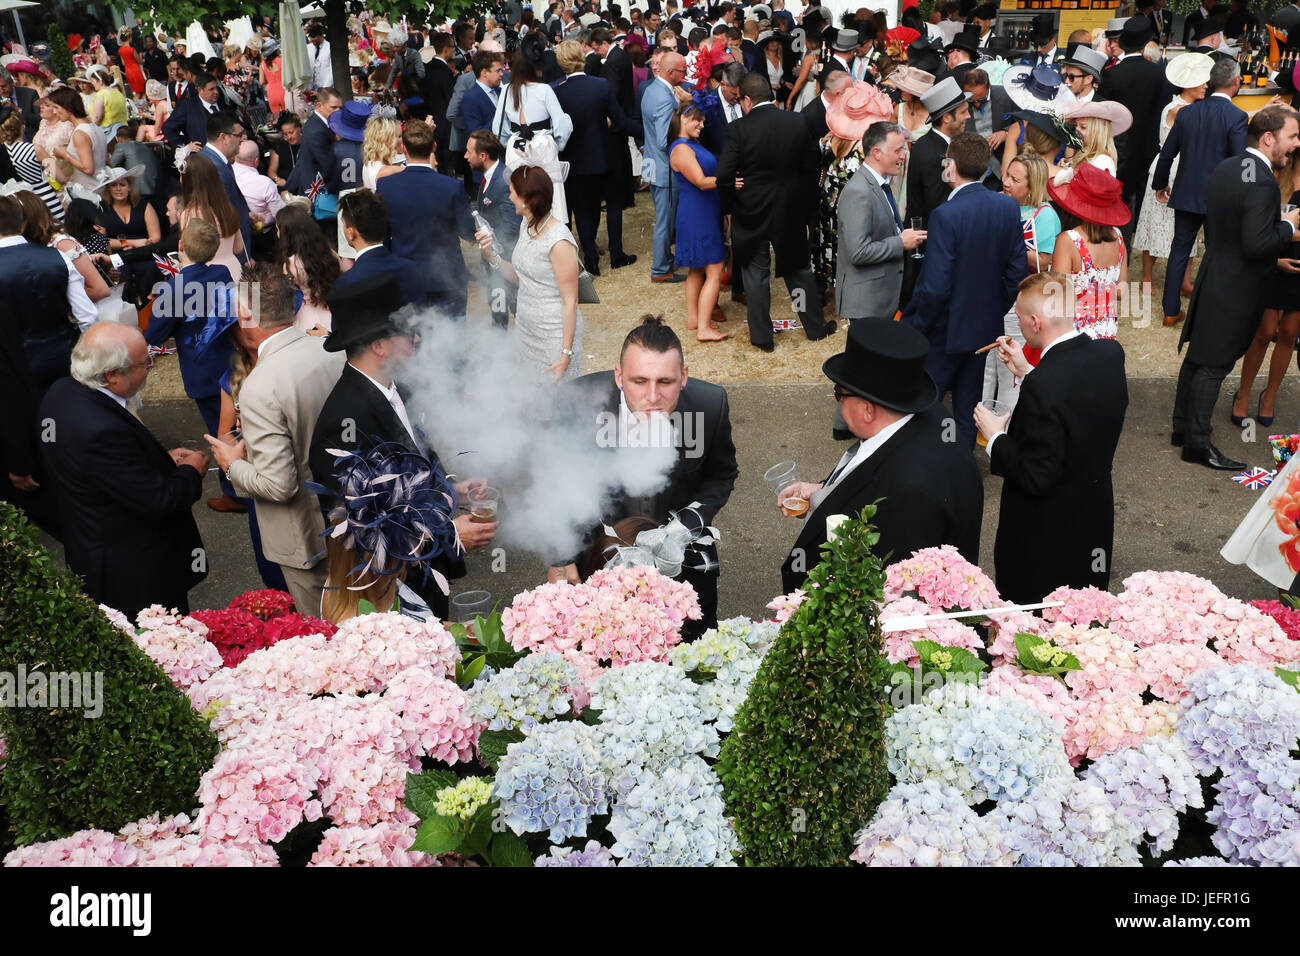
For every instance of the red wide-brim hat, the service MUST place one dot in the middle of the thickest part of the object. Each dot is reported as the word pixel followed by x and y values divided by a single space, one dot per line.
pixel 1093 195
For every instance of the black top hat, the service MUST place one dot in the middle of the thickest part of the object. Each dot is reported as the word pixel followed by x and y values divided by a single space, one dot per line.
pixel 923 55
pixel 998 46
pixel 365 311
pixel 1043 29
pixel 1207 28
pixel 985 11
pixel 1135 35
pixel 968 39
pixel 884 362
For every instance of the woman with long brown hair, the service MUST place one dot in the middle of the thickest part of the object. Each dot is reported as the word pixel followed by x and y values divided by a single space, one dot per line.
pixel 87 150
pixel 306 257
pixel 203 197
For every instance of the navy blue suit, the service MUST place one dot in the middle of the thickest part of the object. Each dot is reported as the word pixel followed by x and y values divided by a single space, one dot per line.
pixel 187 124
pixel 315 156
pixel 236 198
pixel 477 109
pixel 347 166
pixel 599 163
pixel 184 306
pixel 1205 133
pixel 427 211
pixel 974 261
pixel 377 260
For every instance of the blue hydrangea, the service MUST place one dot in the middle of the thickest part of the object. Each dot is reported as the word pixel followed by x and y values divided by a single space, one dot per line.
pixel 1235 715
pixel 674 818
pixel 1257 803
pixel 928 824
pixel 1066 822
pixel 731 653
pixel 552 781
pixel 1149 785
pixel 1200 861
pixel 593 854
pixel 539 686
pixel 721 697
pixel 988 748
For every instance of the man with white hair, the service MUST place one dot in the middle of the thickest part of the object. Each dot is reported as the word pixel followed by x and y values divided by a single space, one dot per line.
pixel 124 500
pixel 259 191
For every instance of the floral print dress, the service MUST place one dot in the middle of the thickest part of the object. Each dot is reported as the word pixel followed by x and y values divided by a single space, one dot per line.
pixel 835 176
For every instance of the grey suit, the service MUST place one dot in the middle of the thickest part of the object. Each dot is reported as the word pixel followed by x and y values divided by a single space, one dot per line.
pixel 869 261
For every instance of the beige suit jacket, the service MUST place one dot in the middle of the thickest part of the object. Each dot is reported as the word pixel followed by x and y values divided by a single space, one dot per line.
pixel 279 403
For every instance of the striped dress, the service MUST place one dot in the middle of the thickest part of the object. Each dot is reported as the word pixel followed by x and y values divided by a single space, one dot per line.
pixel 31 171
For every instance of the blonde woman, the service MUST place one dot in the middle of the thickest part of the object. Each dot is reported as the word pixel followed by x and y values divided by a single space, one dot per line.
pixel 381 148
pixel 1098 123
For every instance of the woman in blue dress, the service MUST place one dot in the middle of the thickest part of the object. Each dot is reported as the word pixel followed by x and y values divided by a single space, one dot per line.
pixel 699 221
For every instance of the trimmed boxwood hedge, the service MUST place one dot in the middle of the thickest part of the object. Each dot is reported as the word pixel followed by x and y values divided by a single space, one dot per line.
pixel 65 772
pixel 805 767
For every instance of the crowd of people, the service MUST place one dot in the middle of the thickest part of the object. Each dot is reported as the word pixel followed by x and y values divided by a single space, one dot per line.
pixel 962 210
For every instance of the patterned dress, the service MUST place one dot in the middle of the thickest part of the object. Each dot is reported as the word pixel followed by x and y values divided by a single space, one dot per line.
pixel 1096 289
pixel 835 176
pixel 539 322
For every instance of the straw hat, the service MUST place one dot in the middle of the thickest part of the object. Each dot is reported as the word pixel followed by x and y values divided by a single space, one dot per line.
pixel 108 175
pixel 910 80
pixel 856 108
pixel 1093 195
pixel 1189 69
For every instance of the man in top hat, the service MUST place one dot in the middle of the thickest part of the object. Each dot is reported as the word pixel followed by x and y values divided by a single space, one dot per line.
pixel 931 489
pixel 279 403
pixel 843 52
pixel 1082 71
pixel 1161 20
pixel 963 51
pixel 365 408
pixel 983 17
pixel 1140 85
pixel 949 108
pixel 1209 39
pixel 1042 34
pixel 1114 27
pixel 1056 454
pixel 1195 19
pixel 924 55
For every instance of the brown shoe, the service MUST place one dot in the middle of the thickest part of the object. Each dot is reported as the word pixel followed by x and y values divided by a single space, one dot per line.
pixel 668 277
pixel 718 315
pixel 1174 319
pixel 227 504
pixel 739 298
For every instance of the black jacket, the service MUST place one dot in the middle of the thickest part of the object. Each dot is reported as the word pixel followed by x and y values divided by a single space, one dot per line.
pixel 617 71
pixel 932 496
pixel 600 127
pixel 437 86
pixel 777 157
pixel 925 186
pixel 706 467
pixel 127 526
pixel 1243 240
pixel 1056 526
pixel 1141 86
pixel 814 114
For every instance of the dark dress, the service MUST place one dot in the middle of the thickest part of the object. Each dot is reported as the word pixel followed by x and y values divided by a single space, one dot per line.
pixel 137 277
pixel 1284 288
pixel 699 214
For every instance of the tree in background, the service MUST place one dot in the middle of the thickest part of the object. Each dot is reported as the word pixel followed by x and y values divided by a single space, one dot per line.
pixel 60 55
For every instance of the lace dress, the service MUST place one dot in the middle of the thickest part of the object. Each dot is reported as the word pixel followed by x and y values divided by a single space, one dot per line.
pixel 1155 227
pixel 539 322
pixel 835 176
pixel 1096 305
pixel 98 151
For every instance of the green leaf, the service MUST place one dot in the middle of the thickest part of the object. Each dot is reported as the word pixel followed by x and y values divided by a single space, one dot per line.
pixel 466 676
pixel 1288 677
pixel 477 842
pixel 365 607
pixel 509 850
pixel 493 744
pixel 422 790
pixel 1027 642
pixel 926 648
pixel 438 834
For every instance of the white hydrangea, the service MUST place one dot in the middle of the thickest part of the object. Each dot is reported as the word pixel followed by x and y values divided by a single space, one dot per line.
pixel 674 818
pixel 538 686
pixel 1149 785
pixel 1067 822
pixel 928 824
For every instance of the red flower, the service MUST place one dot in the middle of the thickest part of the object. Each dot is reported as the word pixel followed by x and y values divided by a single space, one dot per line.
pixel 1287 618
pixel 265 604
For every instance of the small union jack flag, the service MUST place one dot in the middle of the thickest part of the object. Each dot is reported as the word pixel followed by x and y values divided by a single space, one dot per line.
pixel 1254 478
pixel 165 265
pixel 1028 226
pixel 161 350
pixel 316 188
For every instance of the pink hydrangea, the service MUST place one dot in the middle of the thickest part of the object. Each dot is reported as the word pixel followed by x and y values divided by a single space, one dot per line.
pixel 1145 619
pixel 254 798
pixel 1105 722
pixel 1288 618
pixel 1045 694
pixel 363 788
pixel 941 578
pixel 194 850
pixel 385 844
pixel 625 632
pixel 786 604
pixel 1245 635
pixel 1175 587
pixel 150 829
pixel 649 586
pixel 1007 626
pixel 118 619
pixel 542 619
pixel 951 633
pixel 84 848
pixel 1166 667
pixel 180 647
pixel 433 715
pixel 1108 663
pixel 1082 606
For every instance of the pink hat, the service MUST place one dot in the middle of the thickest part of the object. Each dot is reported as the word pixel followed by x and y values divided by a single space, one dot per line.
pixel 24 66
pixel 858 107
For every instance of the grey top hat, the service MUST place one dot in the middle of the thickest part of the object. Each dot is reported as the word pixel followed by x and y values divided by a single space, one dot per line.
pixel 1088 60
pixel 1114 25
pixel 944 97
pixel 845 41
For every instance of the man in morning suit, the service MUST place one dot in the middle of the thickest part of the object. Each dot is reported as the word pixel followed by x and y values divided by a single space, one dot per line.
pixel 188 123
pixel 1245 235
pixel 364 217
pixel 125 501
pixel 364 407
pixel 814 114
pixel 316 155
pixel 1057 521
pixel 651 379
pixel 930 488
pixel 872 240
pixel 437 85
pixel 974 262
pixel 427 211
pixel 1141 86
pixel 1204 134
pixel 773 153
pixel 485 156
pixel 279 403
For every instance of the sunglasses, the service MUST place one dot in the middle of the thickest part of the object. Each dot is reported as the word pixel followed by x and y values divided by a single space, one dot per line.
pixel 843 393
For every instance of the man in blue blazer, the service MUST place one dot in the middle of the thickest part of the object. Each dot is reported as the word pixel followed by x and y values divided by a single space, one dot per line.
pixel 1204 134
pixel 479 106
pixel 364 216
pixel 974 262
pixel 188 123
pixel 657 107
pixel 485 156
pixel 317 152
pixel 427 211
pixel 225 133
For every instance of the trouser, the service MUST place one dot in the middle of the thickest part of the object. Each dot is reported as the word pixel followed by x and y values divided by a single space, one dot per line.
pixel 1186 225
pixel 210 412
pixel 706 589
pixel 999 382
pixel 802 286
pixel 665 200
pixel 583 195
pixel 1133 193
pixel 963 375
pixel 1198 390
pixel 269 571
pixel 306 585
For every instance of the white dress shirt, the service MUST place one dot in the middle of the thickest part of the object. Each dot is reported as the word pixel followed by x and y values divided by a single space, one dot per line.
pixel 113 395
pixel 853 458
pixel 395 400
pixel 260 192
pixel 731 111
pixel 1064 337
pixel 83 310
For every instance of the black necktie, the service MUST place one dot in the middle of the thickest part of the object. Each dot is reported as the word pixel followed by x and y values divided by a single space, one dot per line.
pixel 892 205
pixel 849 455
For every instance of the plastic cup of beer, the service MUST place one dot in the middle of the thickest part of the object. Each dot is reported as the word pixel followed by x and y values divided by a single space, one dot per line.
pixel 468 605
pixel 483 505
pixel 780 477
pixel 995 408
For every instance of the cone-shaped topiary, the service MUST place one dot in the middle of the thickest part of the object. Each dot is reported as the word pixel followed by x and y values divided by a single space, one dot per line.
pixel 806 762
pixel 60 56
pixel 67 771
